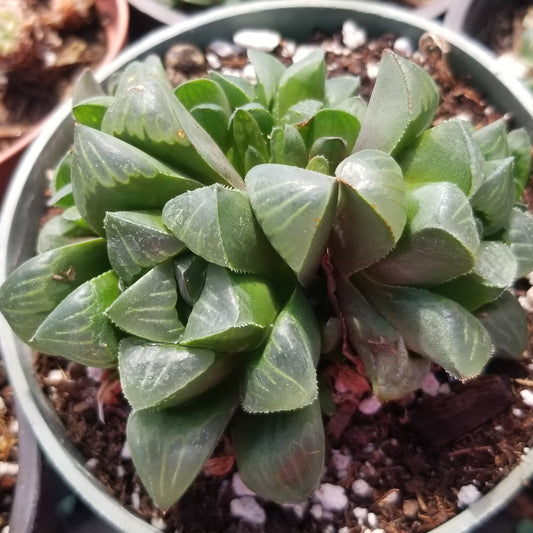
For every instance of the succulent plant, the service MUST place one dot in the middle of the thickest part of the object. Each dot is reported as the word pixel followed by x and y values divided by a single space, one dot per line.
pixel 222 242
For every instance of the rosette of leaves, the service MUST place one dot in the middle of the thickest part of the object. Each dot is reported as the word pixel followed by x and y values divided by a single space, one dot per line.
pixel 213 234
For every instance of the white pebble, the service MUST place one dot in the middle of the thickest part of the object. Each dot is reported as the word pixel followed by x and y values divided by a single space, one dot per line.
pixel 159 523
pixel 467 495
pixel 94 373
pixel 92 463
pixel 238 486
pixel 316 511
pixel 341 462
pixel 248 73
pixel 372 520
pixel 361 488
pixel 518 412
pixel 8 469
pixel 331 497
pixel 248 509
pixel 360 514
pixel 55 377
pixel 369 406
pixel 303 51
pixel 125 453
pixel 372 70
pixel 527 397
pixel 121 471
pixel 404 46
pixel 344 530
pixel 213 60
pixel 299 509
pixel 264 40
pixel 352 35
pixel 135 500
pixel 430 385
pixel 330 528
pixel 444 388
pixel 223 48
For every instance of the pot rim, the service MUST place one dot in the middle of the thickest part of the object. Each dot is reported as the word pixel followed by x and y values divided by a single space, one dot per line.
pixel 45 422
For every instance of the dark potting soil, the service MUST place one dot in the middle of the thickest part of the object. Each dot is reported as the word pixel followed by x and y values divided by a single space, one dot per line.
pixel 410 458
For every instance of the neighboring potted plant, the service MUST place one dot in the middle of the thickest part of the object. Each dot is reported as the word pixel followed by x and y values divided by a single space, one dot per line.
pixel 231 290
pixel 49 45
pixel 503 27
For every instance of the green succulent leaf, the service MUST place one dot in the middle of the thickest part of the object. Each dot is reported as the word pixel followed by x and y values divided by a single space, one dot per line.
pixel 78 329
pixel 332 149
pixel 160 375
pixel 200 92
pixel 58 231
pixel 295 208
pixel 111 175
pixel 233 313
pixel 190 270
pixel 138 240
pixel 519 236
pixel 446 152
pixel 506 323
pixel 433 326
pixel 90 112
pixel 372 210
pixel 302 112
pixel 170 446
pixel 137 72
pixel 247 134
pixel 280 456
pixel 37 286
pixel 148 307
pixel 493 272
pixel 288 147
pixel 440 242
pixel 494 199
pixel 319 163
pixel 334 123
pixel 268 70
pixel 238 91
pixel 304 80
pixel 404 98
pixel 341 88
pixel 392 370
pixel 217 224
pixel 492 140
pixel 281 375
pixel 150 117
pixel 61 186
pixel 355 105
pixel 520 148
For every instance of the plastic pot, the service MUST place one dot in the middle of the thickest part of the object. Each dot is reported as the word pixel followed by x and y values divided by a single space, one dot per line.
pixel 163 12
pixel 472 16
pixel 19 221
pixel 114 17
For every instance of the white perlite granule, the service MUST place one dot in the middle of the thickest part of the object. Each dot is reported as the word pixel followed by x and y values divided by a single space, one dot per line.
pixel 361 488
pixel 352 35
pixel 248 509
pixel 331 497
pixel 467 495
pixel 527 397
pixel 239 488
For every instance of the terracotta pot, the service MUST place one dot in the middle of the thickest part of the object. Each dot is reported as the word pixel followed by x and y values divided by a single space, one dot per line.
pixel 114 17
pixel 23 206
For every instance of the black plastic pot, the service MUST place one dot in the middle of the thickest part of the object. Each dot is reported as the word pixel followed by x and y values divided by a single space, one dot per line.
pixel 24 204
pixel 473 17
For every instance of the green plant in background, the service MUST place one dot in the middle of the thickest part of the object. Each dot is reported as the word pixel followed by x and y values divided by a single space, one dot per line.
pixel 214 235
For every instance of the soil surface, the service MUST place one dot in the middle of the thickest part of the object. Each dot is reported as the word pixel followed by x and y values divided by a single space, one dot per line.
pixel 8 448
pixel 403 466
pixel 51 42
